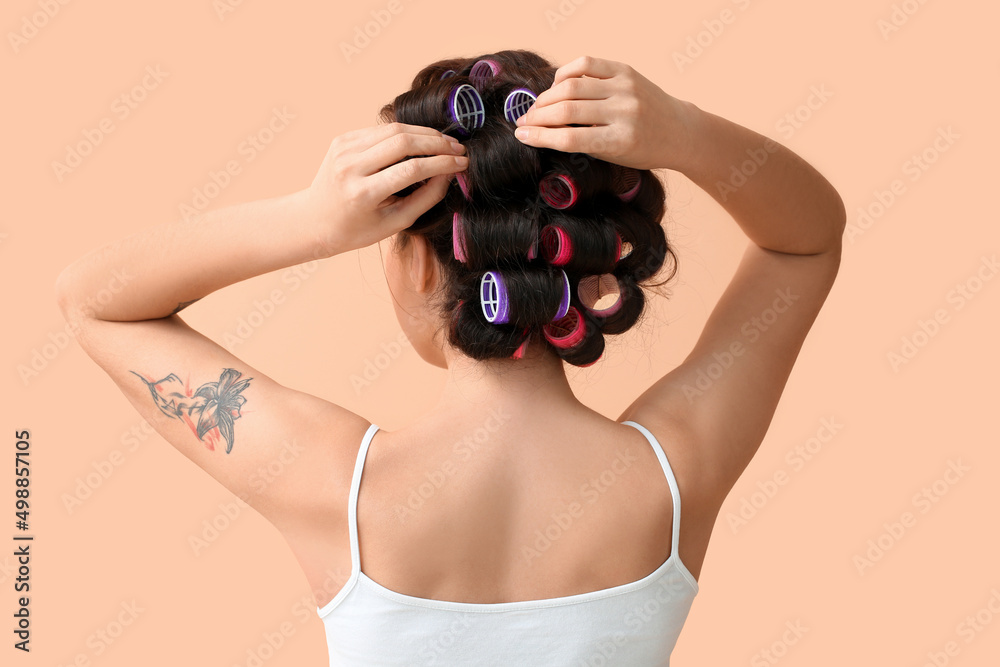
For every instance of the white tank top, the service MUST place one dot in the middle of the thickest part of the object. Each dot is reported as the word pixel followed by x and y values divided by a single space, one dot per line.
pixel 634 624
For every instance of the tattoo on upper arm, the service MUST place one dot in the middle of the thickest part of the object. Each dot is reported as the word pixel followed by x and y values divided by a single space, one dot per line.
pixel 216 404
pixel 184 304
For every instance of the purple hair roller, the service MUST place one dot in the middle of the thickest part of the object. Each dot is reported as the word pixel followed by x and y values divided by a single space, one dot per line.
pixel 493 298
pixel 558 191
pixel 466 108
pixel 483 70
pixel 564 304
pixel 517 103
pixel 448 74
pixel 458 238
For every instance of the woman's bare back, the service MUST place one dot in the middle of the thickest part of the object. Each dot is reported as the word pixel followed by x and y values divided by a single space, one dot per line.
pixel 479 514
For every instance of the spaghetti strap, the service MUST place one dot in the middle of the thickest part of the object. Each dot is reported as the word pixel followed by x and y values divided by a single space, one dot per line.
pixel 352 503
pixel 675 536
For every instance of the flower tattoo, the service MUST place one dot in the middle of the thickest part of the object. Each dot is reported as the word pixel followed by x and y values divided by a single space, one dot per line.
pixel 217 404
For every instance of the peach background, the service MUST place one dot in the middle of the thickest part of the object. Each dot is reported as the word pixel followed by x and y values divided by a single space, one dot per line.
pixel 792 561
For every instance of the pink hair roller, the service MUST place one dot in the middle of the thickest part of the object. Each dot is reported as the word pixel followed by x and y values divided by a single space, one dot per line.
pixel 558 191
pixel 533 250
pixel 618 247
pixel 556 246
pixel 519 352
pixel 463 184
pixel 566 332
pixel 592 289
pixel 628 183
pixel 482 71
pixel 456 315
pixel 458 237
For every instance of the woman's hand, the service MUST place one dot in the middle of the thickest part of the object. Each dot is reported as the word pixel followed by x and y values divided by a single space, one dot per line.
pixel 625 118
pixel 352 197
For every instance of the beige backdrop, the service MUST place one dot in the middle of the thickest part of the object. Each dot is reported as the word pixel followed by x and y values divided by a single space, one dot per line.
pixel 890 409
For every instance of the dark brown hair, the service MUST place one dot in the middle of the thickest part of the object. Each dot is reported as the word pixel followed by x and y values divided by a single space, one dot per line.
pixel 504 214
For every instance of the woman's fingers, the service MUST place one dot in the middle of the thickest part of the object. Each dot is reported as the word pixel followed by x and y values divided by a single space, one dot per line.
pixel 365 138
pixel 598 68
pixel 574 89
pixel 592 140
pixel 413 206
pixel 398 176
pixel 568 112
pixel 397 147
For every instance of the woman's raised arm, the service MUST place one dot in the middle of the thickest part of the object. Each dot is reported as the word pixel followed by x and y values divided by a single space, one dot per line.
pixel 722 397
pixel 230 419
pixel 164 268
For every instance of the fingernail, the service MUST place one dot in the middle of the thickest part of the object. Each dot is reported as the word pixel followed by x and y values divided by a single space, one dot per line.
pixel 522 133
pixel 458 148
pixel 461 160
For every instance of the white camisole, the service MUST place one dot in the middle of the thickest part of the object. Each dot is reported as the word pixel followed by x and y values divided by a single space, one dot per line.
pixel 635 624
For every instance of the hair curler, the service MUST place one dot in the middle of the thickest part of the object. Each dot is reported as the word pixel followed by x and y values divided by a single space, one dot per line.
pixel 465 107
pixel 517 103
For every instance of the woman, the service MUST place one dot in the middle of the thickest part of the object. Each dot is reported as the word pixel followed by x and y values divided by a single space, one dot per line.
pixel 545 533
